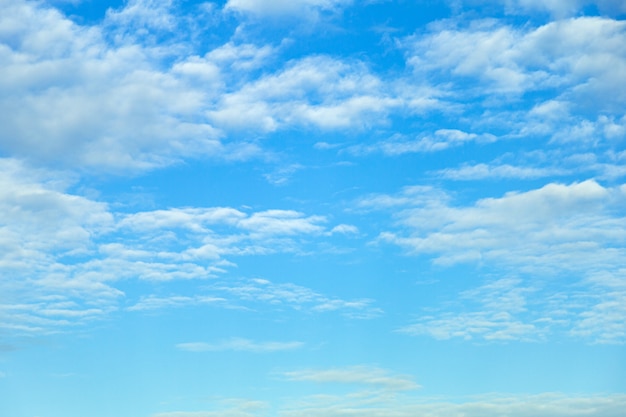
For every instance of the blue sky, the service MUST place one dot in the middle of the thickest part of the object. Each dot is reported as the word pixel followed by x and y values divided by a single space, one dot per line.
pixel 259 208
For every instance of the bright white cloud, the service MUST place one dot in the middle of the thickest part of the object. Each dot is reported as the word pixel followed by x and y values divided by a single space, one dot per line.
pixel 581 57
pixel 319 91
pixel 557 227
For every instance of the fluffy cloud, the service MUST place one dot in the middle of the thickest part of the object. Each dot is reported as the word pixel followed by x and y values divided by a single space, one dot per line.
pixel 556 227
pixel 582 58
pixel 70 97
pixel 319 91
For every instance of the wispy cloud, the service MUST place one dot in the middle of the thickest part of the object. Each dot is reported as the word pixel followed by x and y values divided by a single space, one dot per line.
pixel 295 297
pixel 359 375
pixel 239 344
pixel 440 140
pixel 545 405
pixel 68 252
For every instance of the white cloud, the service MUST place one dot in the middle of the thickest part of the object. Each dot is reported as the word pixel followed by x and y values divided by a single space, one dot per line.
pixel 143 15
pixel 543 405
pixel 239 344
pixel 563 8
pixel 297 297
pixel 557 227
pixel 306 9
pixel 440 140
pixel 501 315
pixel 355 375
pixel 364 405
pixel 69 97
pixel 575 230
pixel 581 57
pixel 319 91
pixel 503 171
pixel 66 252
pixel 605 320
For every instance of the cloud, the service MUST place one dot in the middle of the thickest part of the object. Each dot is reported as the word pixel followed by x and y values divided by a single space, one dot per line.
pixel 543 405
pixel 304 9
pixel 557 227
pixel 504 171
pixel 239 344
pixel 581 57
pixel 279 295
pixel 355 375
pixel 562 8
pixel 66 253
pixel 575 231
pixel 318 90
pixel 605 320
pixel 442 139
pixel 71 97
pixel 502 314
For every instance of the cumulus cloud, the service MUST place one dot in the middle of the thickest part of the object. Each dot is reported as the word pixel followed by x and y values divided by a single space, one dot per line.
pixel 319 91
pixel 549 228
pixel 581 57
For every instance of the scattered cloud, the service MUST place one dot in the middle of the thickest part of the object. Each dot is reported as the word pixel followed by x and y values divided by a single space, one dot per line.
pixel 68 252
pixel 295 297
pixel 502 315
pixel 575 230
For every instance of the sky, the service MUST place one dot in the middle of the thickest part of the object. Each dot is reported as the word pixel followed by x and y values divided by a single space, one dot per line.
pixel 312 208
